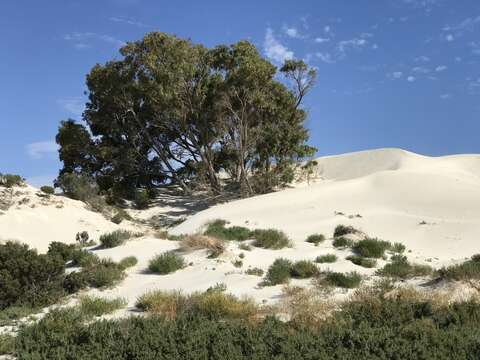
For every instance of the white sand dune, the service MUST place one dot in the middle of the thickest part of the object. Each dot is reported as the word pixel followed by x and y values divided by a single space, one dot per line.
pixel 393 191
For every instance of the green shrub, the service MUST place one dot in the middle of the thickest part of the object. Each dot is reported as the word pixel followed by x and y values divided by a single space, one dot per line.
pixel 398 248
pixel 270 239
pixel 62 250
pixel 245 247
pixel 7 344
pixel 82 239
pixel 27 278
pixel 95 306
pixel 128 262
pixel 316 239
pixel 342 242
pixel 254 271
pixel 401 268
pixel 361 261
pixel 371 248
pixel 468 270
pixel 47 190
pixel 303 269
pixel 115 238
pixel 166 263
pixel 104 274
pixel 328 258
pixel 81 187
pixel 10 180
pixel 279 272
pixel 76 281
pixel 120 216
pixel 13 313
pixel 237 263
pixel 84 258
pixel 218 229
pixel 348 281
pixel 342 230
pixel 142 199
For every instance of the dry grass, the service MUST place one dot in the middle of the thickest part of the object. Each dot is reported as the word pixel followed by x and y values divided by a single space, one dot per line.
pixel 214 246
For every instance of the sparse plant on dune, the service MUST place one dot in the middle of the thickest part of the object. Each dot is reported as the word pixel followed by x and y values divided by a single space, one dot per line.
pixel 219 229
pixel 270 239
pixel 214 246
pixel 371 248
pixel 279 272
pixel 342 230
pixel 401 268
pixel 316 239
pixel 362 261
pixel 96 306
pixel 328 258
pixel 342 242
pixel 166 263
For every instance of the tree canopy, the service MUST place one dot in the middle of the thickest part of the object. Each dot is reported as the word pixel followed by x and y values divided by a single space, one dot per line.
pixel 171 111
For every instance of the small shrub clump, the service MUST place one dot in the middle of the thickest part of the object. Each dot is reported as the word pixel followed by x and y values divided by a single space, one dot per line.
pixel 218 229
pixel 316 239
pixel 82 239
pixel 468 270
pixel 254 271
pixel 348 281
pixel 279 272
pixel 128 262
pixel 398 248
pixel 7 344
pixel 342 230
pixel 213 245
pixel 270 239
pixel 401 268
pixel 115 238
pixel 11 180
pixel 371 248
pixel 166 263
pixel 142 199
pixel 362 261
pixel 303 269
pixel 47 190
pixel 120 216
pixel 66 252
pixel 328 258
pixel 95 306
pixel 342 242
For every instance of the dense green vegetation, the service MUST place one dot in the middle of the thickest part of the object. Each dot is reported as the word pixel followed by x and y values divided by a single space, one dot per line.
pixel 316 239
pixel 115 238
pixel 401 268
pixel 468 270
pixel 328 258
pixel 270 239
pixel 170 111
pixel 10 180
pixel 218 229
pixel 371 248
pixel 342 230
pixel 166 263
pixel 362 261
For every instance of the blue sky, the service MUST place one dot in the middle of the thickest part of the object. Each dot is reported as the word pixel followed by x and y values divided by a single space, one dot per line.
pixel 391 73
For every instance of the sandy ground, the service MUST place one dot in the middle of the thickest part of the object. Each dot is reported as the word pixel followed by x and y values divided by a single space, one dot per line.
pixel 393 191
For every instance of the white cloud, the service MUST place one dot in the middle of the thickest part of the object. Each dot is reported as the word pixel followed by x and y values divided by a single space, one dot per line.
pixel 345 45
pixel 274 50
pixel 421 70
pixel 397 74
pixel 327 29
pixel 449 38
pixel 292 32
pixel 74 105
pixel 445 96
pixel 321 40
pixel 82 40
pixel 374 46
pixel 128 21
pixel 422 59
pixel 441 68
pixel 325 57
pixel 411 78
pixel 37 150
pixel 427 4
pixel 466 25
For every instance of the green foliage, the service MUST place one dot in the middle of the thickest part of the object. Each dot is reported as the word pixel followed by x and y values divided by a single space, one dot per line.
pixel 237 263
pixel 254 271
pixel 303 269
pixel 115 238
pixel 270 239
pixel 468 270
pixel 362 261
pixel 218 229
pixel 342 242
pixel 62 250
pixel 27 278
pixel 47 190
pixel 279 272
pixel 348 281
pixel 245 247
pixel 95 306
pixel 9 315
pixel 398 248
pixel 401 268
pixel 81 187
pixel 328 258
pixel 76 281
pixel 316 239
pixel 105 273
pixel 166 263
pixel 10 180
pixel 84 258
pixel 342 230
pixel 371 248
pixel 120 216
pixel 82 239
pixel 7 344
pixel 142 199
pixel 128 262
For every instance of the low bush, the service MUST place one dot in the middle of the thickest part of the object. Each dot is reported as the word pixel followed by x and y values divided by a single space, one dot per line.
pixel 213 245
pixel 168 304
pixel 115 238
pixel 76 281
pixel 11 180
pixel 237 263
pixel 328 258
pixel 303 269
pixel 9 315
pixel 254 271
pixel 7 344
pixel 348 281
pixel 95 306
pixel 120 216
pixel 81 187
pixel 166 263
pixel 371 248
pixel 47 190
pixel 128 262
pixel 342 230
pixel 106 273
pixel 82 239
pixel 279 272
pixel 270 239
pixel 27 278
pixel 245 247
pixel 142 199
pixel 66 252
pixel 401 268
pixel 84 258
pixel 316 239
pixel 398 248
pixel 219 230
pixel 342 242
pixel 362 261
pixel 468 270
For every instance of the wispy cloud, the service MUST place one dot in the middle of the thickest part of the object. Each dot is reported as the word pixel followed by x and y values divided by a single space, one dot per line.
pixel 445 96
pixel 292 32
pixel 346 45
pixel 421 70
pixel 441 68
pixel 411 78
pixel 83 40
pixel 128 21
pixel 275 50
pixel 422 59
pixel 38 150
pixel 466 25
pixel 321 40
pixel 423 4
pixel 397 75
pixel 74 105
pixel 325 57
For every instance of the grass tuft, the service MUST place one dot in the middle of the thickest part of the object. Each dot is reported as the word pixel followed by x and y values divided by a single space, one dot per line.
pixel 166 263
pixel 328 258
